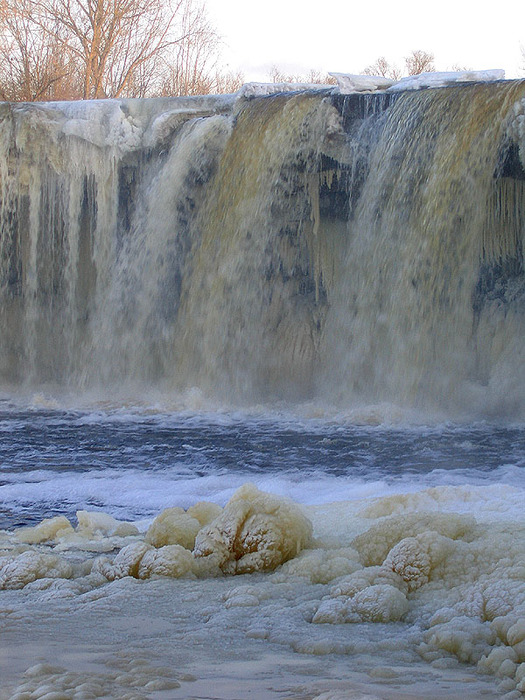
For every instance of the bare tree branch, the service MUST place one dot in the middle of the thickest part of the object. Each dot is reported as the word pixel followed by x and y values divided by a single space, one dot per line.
pixel 118 47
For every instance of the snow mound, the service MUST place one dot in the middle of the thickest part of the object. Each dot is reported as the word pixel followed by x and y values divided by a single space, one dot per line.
pixel 348 83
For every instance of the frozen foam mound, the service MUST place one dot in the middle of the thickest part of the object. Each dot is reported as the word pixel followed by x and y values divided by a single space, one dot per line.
pixel 18 570
pixel 143 561
pixel 321 565
pixel 375 603
pixel 120 677
pixel 255 532
pixel 453 585
pixel 93 524
pixel 173 526
pixel 95 531
pixel 48 529
pixel 177 526
pixel 462 583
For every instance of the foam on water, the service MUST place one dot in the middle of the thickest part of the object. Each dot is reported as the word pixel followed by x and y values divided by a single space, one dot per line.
pixel 137 463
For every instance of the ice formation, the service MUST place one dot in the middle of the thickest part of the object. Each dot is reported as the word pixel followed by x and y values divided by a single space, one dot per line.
pixel 444 79
pixel 255 532
pixel 262 89
pixel 348 83
pixel 462 583
pixel 455 583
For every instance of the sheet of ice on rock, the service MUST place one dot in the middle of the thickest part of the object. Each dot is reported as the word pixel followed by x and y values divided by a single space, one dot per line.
pixel 235 556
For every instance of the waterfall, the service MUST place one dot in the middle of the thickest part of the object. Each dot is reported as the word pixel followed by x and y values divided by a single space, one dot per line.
pixel 349 249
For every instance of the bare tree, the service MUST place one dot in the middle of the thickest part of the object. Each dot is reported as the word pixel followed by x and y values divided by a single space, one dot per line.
pixel 384 68
pixel 227 82
pixel 279 76
pixel 121 45
pixel 416 62
pixel 189 67
pixel 33 64
pixel 419 61
pixel 83 49
pixel 313 77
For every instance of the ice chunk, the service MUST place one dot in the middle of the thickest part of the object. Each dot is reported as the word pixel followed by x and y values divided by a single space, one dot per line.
pixel 349 83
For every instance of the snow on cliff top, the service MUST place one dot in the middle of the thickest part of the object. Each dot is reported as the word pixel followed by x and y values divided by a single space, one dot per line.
pixel 348 83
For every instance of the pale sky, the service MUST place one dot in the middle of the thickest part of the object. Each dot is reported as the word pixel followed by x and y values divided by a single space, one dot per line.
pixel 345 36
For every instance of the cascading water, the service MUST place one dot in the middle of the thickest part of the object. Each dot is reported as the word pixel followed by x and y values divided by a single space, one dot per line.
pixel 348 248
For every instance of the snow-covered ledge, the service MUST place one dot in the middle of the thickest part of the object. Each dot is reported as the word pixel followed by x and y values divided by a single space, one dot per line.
pixel 264 89
pixel 434 80
pixel 348 83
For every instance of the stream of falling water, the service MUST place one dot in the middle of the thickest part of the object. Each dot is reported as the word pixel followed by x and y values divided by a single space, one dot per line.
pixel 352 249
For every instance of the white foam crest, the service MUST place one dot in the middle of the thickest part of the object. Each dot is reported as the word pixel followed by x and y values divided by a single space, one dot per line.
pixel 137 494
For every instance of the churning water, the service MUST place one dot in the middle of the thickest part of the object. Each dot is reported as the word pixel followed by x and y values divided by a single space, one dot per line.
pixel 261 429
